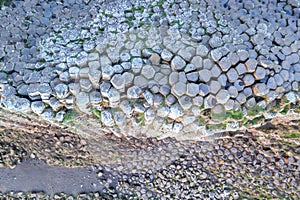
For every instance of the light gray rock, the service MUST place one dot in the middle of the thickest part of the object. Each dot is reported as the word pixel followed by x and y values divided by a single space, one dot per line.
pixel 241 69
pixel 134 92
pixel 47 114
pixel 243 55
pixel 189 68
pixel 173 78
pixel 158 100
pixel 214 87
pixel 203 89
pixel 93 56
pixel 165 90
pixel 208 63
pixel 239 84
pixel 248 79
pixel 163 111
pixel 291 97
pixel 251 65
pixel 204 75
pixel 222 96
pixel 81 59
pixel 188 119
pixel 260 73
pixel 84 72
pixel 197 62
pixel 104 88
pixel 233 92
pixel 251 102
pixel 248 92
pixel 241 98
pixel 148 71
pixel 182 77
pixel 193 76
pixel 95 97
pixel 140 81
pixel 128 78
pixel 215 71
pixel 192 89
pixel 107 72
pixel 94 65
pixel 118 81
pixel 33 91
pixel 82 101
pixel 65 77
pixel 104 61
pixel 225 64
pixel 260 89
pixel 154 59
pixel 177 63
pixel 94 77
pixel 210 101
pixel 185 102
pixel 222 80
pixel 136 65
pixel 285 75
pixel 44 90
pixel 126 107
pixel 120 119
pixel 16 103
pixel 166 55
pixel 202 50
pixel 85 85
pixel 271 84
pixel 124 57
pixel 215 41
pixel 149 116
pixel 60 116
pixel 107 118
pixel 232 75
pixel 216 54
pixel 148 97
pixel 37 107
pixel 229 105
pixel 61 67
pixel 179 89
pixel 32 77
pixel 113 96
pixel 175 112
pixel 74 72
pixel 171 99
pixel 278 79
pixel 187 53
pixel 74 88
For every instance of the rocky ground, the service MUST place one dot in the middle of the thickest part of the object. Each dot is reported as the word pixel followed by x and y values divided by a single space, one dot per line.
pixel 216 75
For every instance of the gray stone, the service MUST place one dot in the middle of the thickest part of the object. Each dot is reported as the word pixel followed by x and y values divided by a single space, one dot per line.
pixel 93 56
pixel 248 92
pixel 37 107
pixel 215 71
pixel 222 80
pixel 193 76
pixel 125 57
pixel 177 63
pixel 225 64
pixel 214 87
pixel 251 65
pixel 113 96
pixel 241 98
pixel 64 77
pixel 94 77
pixel 166 55
pixel 185 102
pixel 187 53
pixel 165 90
pixel 295 86
pixel 107 118
pixel 140 81
pixel 248 79
pixel 170 99
pixel 271 84
pixel 204 75
pixel 163 111
pixel 33 91
pixel 243 55
pixel 208 63
pixel 285 75
pixel 209 101
pixel 251 102
pixel 197 62
pixel 155 59
pixel 126 107
pixel 216 54
pixel 182 77
pixel 82 102
pixel 259 73
pixel 229 104
pixel 94 65
pixel 173 78
pixel 232 75
pixel 60 116
pixel 192 89
pixel 85 85
pixel 278 79
pixel 203 89
pixel 157 100
pixel 215 41
pixel 239 84
pixel 61 67
pixel 233 92
pixel 175 112
pixel 148 97
pixel 260 89
pixel 84 72
pixel 222 96
pixel 128 78
pixel 136 65
pixel 234 58
pixel 44 90
pixel 118 81
pixel 241 69
pixel 32 77
pixel 291 97
pixel 95 97
pixel 74 72
pixel 104 61
pixel 198 101
pixel 55 104
pixel 81 59
pixel 179 89
pixel 148 71
pixel 134 92
pixel 188 119
pixel 107 72
pixel 202 50
pixel 149 116
pixel 47 114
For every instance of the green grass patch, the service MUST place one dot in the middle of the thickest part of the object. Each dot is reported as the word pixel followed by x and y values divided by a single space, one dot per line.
pixel 140 118
pixel 70 115
pixel 216 126
pixel 5 3
pixel 291 135
pixel 255 111
pixel 201 121
pixel 97 113
pixel 237 115
pixel 285 109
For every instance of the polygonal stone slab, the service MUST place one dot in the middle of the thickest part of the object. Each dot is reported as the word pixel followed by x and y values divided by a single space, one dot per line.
pixel 166 55
pixel 148 71
pixel 260 89
pixel 197 61
pixel 248 79
pixel 214 87
pixel 134 92
pixel 204 75
pixel 177 63
pixel 232 75
pixel 185 102
pixel 251 65
pixel 222 96
pixel 179 89
pixel 203 89
pixel 118 81
pixel 259 73
pixel 225 64
pixel 192 89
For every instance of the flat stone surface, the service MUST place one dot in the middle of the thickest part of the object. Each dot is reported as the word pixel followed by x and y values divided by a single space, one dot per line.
pixel 203 89
pixel 148 71
pixel 214 87
pixel 197 62
pixel 259 73
pixel 260 89
pixel 134 92
pixel 222 96
pixel 192 89
pixel 166 55
pixel 251 65
pixel 248 79
pixel 175 111
pixel 177 63
pixel 232 75
pixel 185 102
pixel 205 75
pixel 107 118
pixel 179 89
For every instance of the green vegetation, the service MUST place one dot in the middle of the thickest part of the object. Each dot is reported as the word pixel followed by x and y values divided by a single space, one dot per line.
pixel 140 117
pixel 97 113
pixel 285 109
pixel 255 111
pixel 70 115
pixel 237 115
pixel 216 126
pixel 5 3
pixel 292 135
